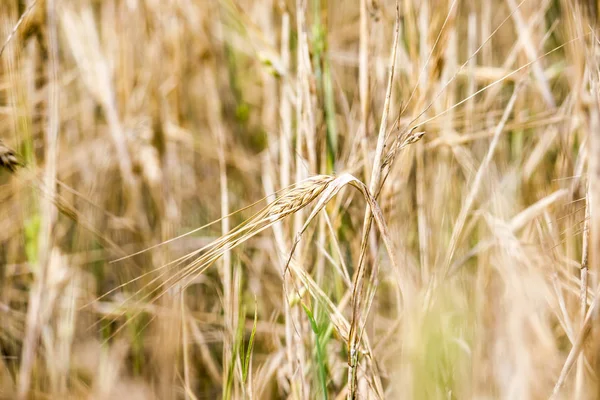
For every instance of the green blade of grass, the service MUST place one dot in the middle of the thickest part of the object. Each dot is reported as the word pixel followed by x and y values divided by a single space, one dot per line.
pixel 322 374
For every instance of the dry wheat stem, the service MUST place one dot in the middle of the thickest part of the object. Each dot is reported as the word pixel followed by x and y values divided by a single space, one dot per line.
pixel 38 296
pixel 494 83
pixel 583 296
pixel 16 27
pixel 475 186
pixel 373 188
pixel 459 70
pixel 333 188
pixel 577 345
pixel 426 63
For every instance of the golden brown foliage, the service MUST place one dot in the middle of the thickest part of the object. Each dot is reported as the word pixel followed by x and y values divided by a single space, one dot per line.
pixel 417 186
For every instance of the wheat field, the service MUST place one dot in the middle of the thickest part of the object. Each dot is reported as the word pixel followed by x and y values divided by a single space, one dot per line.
pixel 299 199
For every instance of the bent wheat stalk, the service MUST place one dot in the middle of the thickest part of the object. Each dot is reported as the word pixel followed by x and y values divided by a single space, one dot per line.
pixel 292 199
pixel 358 283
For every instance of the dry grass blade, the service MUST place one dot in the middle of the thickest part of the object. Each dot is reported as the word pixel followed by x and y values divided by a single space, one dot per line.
pixel 583 334
pixel 42 294
pixel 17 25
pixel 525 35
pixel 516 223
pixel 477 181
pixel 498 81
pixel 583 297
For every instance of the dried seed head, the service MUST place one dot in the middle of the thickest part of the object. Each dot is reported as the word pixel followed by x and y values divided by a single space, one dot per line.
pixel 402 142
pixel 413 137
pixel 8 158
pixel 299 195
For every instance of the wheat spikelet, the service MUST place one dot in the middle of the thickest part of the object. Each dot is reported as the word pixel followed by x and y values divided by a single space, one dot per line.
pixel 403 141
pixel 299 196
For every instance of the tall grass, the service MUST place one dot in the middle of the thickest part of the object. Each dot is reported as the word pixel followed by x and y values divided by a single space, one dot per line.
pixel 299 199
